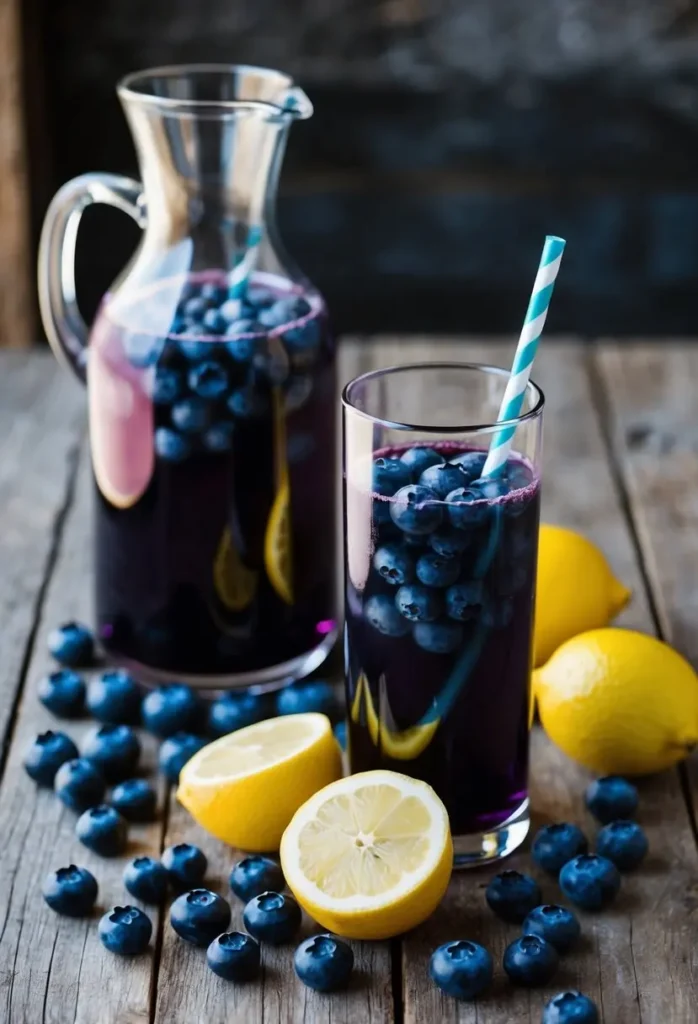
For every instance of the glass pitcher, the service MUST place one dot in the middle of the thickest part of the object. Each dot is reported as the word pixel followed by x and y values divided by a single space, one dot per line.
pixel 211 391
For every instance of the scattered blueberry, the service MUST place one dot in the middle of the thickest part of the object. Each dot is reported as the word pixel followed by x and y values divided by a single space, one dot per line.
pixel 530 961
pixel 461 969
pixel 169 709
pixel 46 755
pixel 71 891
pixel 272 917
pixel 555 844
pixel 470 463
pixel 167 385
pixel 72 645
pixel 416 509
pixel 463 600
pixel 103 830
pixel 623 843
pixel 114 749
pixel 208 380
pixel 570 1008
pixel 125 930
pixel 235 711
pixel 214 323
pixel 340 734
pixel 63 693
pixel 611 798
pixel 79 784
pixel 190 415
pixel 418 459
pixel 185 865
pixel 254 875
pixel 394 564
pixel 449 542
pixel 146 879
pixel 590 881
pixel 389 475
pixel 114 698
pixel 557 925
pixel 418 603
pixel 171 446
pixel 247 403
pixel 465 508
pixel 314 695
pixel 219 437
pixel 381 612
pixel 442 479
pixel 512 896
pixel 324 963
pixel 199 916
pixel 438 637
pixel 234 956
pixel 135 799
pixel 175 751
pixel 436 570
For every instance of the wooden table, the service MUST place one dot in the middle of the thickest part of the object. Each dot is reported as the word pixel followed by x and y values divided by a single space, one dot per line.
pixel 621 464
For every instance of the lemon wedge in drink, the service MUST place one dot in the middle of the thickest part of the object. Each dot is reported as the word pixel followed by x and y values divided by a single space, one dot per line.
pixel 278 557
pixel 369 856
pixel 245 787
pixel 235 584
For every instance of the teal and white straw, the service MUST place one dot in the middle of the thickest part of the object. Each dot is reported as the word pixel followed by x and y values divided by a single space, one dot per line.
pixel 525 353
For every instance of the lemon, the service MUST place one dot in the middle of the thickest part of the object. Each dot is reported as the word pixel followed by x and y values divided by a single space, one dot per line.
pixel 235 584
pixel 575 589
pixel 398 744
pixel 619 702
pixel 277 546
pixel 369 856
pixel 246 787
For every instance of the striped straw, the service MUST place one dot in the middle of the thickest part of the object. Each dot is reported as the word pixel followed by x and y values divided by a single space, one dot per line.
pixel 525 353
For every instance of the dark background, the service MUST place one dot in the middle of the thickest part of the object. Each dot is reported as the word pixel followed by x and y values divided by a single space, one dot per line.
pixel 448 138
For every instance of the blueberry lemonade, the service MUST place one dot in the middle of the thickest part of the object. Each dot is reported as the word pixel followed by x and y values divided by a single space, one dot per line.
pixel 212 434
pixel 439 624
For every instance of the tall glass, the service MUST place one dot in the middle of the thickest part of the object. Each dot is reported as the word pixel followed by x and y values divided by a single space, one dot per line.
pixel 439 576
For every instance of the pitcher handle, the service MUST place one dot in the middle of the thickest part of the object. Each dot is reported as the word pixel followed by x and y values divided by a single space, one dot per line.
pixel 65 328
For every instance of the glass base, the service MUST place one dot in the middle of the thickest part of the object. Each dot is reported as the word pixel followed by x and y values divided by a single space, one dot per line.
pixel 480 848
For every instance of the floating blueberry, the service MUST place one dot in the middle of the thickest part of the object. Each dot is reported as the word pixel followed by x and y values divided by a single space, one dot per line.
pixel 470 463
pixel 103 830
pixel 146 879
pixel 590 881
pixel 185 865
pixel 70 891
pixel 512 896
pixel 324 963
pixel 167 385
pixel 463 600
pixel 171 446
pixel 443 478
pixel 234 956
pixel 314 695
pixel 570 1008
pixel 254 875
pixel 530 961
pixel 63 693
pixel 125 930
pixel 461 969
pixel 235 711
pixel 449 542
pixel 555 844
pixel 79 784
pixel 436 570
pixel 272 917
pixel 190 415
pixel 46 755
pixel 219 437
pixel 175 751
pixel 241 348
pixel 303 337
pixel 611 798
pixel 199 916
pixel 247 403
pixel 213 294
pixel 624 843
pixel 389 475
pixel 381 612
pixel 193 309
pixel 169 709
pixel 72 645
pixel 114 749
pixel 284 311
pixel 208 380
pixel 232 310
pixel 114 698
pixel 415 509
pixel 466 508
pixel 418 459
pixel 418 603
pixel 135 799
pixel 490 488
pixel 394 564
pixel 214 322
pixel 438 637
pixel 557 925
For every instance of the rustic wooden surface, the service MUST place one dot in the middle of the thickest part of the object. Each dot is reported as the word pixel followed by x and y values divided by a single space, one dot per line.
pixel 620 464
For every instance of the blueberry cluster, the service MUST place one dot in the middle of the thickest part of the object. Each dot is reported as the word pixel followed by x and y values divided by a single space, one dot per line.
pixel 451 547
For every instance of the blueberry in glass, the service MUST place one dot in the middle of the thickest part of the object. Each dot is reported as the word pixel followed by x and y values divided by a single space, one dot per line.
pixel 194 308
pixel 218 438
pixel 463 600
pixel 79 784
pixel 442 478
pixel 530 961
pixel 394 563
pixel 146 879
pixel 114 749
pixel 241 348
pixel 438 637
pixel 167 386
pixel 169 709
pixel 313 695
pixel 72 645
pixel 554 845
pixel 624 843
pixel 461 969
pixel 103 830
pixel 381 612
pixel 214 322
pixel 436 570
pixel 471 463
pixel 125 931
pixel 418 459
pixel 63 693
pixel 418 603
pixel 570 1008
pixel 191 415
pixel 171 446
pixel 135 799
pixel 185 865
pixel 45 756
pixel 449 542
pixel 246 403
pixel 272 918
pixel 70 891
pixel 234 711
pixel 466 508
pixel 199 916
pixel 416 509
pixel 557 925
pixel 611 798
pixel 208 380
pixel 324 963
pixel 512 896
pixel 114 697
pixel 590 882
pixel 234 956
pixel 175 751
pixel 254 875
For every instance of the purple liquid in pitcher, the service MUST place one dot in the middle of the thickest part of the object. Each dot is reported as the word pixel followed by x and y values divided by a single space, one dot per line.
pixel 212 432
pixel 439 629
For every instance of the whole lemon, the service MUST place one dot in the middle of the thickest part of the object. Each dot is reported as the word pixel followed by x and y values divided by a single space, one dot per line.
pixel 619 702
pixel 575 589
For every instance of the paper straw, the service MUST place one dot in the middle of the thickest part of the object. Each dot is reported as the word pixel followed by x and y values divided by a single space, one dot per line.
pixel 525 353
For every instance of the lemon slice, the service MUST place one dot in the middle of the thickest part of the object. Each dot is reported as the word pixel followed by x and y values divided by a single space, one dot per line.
pixel 246 787
pixel 277 545
pixel 370 856
pixel 235 584
pixel 399 744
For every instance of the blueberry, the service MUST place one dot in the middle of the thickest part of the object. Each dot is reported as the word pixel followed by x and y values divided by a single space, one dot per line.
pixel 389 475
pixel 167 385
pixel 518 475
pixel 415 509
pixel 324 963
pixel 114 698
pixel 234 956
pixel 213 294
pixel 190 415
pixel 418 459
pixel 556 844
pixel 175 751
pixel 231 311
pixel 470 463
pixel 254 875
pixel 146 879
pixel 461 969
pixel 260 297
pixel 79 784
pixel 304 337
pixel 570 1008
pixel 143 350
pixel 438 637
pixel 449 542
pixel 135 799
pixel 497 614
pixel 71 891
pixel 624 843
pixel 114 749
pixel 72 645
pixel 199 916
pixel 63 693
pixel 214 322
pixel 218 438
pixel 169 709
pixel 103 830
pixel 442 479
pixel 241 348
pixel 125 930
pixel 512 896
pixel 590 881
pixel 530 961
pixel 557 925
pixel 340 734
pixel 465 508
pixel 381 612
pixel 194 308
pixel 314 695
pixel 436 570
pixel 208 380
pixel 611 798
pixel 463 600
pixel 284 311
pixel 185 865
pixel 273 918
pixel 46 755
pixel 394 564
pixel 418 603
pixel 171 446
pixel 194 351
pixel 490 488
pixel 234 711
pixel 247 403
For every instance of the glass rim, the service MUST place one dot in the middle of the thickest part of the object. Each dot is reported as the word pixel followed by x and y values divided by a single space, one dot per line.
pixel 457 428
